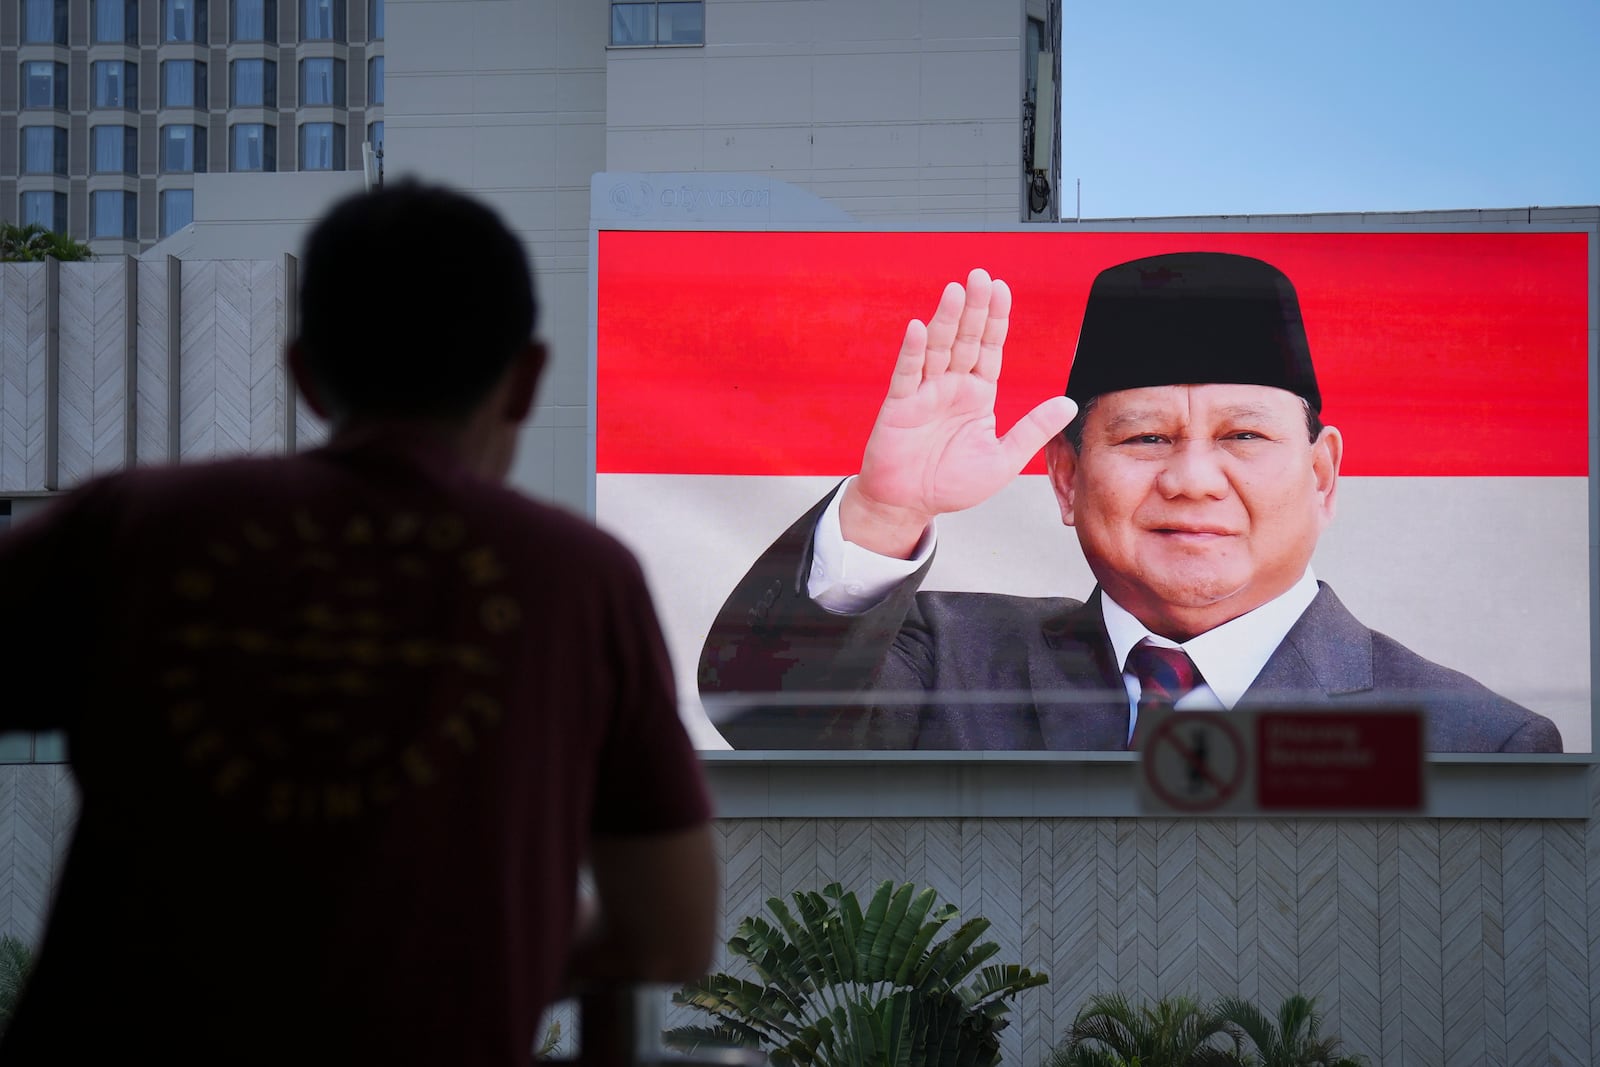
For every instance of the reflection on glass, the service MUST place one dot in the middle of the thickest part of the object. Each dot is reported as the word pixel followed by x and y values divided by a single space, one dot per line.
pixel 375 80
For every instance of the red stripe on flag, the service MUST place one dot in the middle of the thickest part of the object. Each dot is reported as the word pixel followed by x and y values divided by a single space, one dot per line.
pixel 768 353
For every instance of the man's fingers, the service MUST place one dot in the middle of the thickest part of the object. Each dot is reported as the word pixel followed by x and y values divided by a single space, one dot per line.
pixel 1035 428
pixel 942 329
pixel 970 329
pixel 994 331
pixel 907 374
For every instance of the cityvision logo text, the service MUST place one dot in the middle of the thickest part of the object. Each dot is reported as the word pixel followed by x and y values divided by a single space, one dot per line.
pixel 639 198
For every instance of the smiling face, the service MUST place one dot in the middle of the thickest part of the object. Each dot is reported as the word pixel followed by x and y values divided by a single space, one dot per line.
pixel 1195 504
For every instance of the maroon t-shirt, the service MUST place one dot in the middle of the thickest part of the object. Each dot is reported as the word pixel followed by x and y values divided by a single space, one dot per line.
pixel 343 724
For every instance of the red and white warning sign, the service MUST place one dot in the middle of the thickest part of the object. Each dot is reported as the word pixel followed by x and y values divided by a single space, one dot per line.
pixel 1281 761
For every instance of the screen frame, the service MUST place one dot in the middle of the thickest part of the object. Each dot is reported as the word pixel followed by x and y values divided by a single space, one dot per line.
pixel 771 783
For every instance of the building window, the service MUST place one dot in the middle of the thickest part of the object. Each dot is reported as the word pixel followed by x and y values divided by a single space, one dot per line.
pixel 177 210
pixel 44 84
pixel 375 80
pixel 183 84
pixel 114 213
pixel 375 135
pixel 44 22
pixel 253 146
pixel 45 209
pixel 658 23
pixel 183 149
pixel 184 20
pixel 116 21
pixel 115 150
pixel 322 20
pixel 255 83
pixel 44 150
pixel 255 20
pixel 322 82
pixel 374 20
pixel 322 146
pixel 115 83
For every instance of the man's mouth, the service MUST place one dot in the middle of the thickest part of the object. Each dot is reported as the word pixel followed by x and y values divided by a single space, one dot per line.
pixel 1189 532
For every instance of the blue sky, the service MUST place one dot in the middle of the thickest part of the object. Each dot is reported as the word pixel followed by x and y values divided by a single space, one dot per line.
pixel 1249 106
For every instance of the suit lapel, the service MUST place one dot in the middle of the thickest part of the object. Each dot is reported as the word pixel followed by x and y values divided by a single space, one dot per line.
pixel 1326 654
pixel 1078 692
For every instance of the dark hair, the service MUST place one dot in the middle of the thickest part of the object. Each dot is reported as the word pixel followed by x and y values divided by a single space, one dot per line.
pixel 1074 431
pixel 414 299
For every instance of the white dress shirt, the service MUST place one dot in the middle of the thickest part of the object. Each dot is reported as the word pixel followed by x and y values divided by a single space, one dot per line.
pixel 847 579
pixel 1228 657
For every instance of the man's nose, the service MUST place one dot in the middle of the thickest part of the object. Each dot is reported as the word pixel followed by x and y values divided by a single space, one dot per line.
pixel 1194 469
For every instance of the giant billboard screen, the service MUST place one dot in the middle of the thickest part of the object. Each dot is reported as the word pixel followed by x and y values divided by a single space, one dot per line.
pixel 740 374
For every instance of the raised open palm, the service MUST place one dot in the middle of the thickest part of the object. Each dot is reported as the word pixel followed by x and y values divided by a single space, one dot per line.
pixel 934 448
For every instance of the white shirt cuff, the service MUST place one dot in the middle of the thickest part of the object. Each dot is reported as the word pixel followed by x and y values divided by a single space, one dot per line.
pixel 847 579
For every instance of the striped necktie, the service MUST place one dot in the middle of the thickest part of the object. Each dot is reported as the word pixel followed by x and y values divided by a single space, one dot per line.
pixel 1165 676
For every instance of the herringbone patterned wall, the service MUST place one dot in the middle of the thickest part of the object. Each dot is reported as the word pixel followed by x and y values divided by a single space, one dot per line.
pixel 112 402
pixel 1425 941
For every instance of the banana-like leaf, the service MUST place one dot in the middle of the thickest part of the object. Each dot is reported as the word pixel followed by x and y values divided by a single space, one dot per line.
pixel 922 930
pixel 837 986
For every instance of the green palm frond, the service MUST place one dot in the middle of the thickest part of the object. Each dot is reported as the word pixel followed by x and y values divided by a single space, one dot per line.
pixel 839 985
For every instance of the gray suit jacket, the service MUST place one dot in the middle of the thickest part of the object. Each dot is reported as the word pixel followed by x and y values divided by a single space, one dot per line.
pixel 1025 673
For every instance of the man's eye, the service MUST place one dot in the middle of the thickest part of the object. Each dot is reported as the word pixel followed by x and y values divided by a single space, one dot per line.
pixel 1246 435
pixel 1146 439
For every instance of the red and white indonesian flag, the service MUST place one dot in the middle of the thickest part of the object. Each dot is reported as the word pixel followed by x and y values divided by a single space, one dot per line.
pixel 739 374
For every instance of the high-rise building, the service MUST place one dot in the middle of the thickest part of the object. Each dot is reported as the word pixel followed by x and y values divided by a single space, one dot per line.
pixel 109 108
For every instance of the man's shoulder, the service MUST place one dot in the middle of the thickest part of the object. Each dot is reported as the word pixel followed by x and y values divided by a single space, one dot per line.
pixel 1465 715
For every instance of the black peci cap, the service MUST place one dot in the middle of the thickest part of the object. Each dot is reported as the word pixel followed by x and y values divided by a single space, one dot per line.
pixel 1190 318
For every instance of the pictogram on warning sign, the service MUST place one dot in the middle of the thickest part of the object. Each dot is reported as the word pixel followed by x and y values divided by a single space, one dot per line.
pixel 1195 761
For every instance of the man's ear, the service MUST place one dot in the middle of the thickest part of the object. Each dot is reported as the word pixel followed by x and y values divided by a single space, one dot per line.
pixel 524 372
pixel 305 382
pixel 1326 454
pixel 1062 463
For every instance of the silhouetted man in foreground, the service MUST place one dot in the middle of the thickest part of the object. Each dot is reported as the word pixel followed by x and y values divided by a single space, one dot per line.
pixel 346 723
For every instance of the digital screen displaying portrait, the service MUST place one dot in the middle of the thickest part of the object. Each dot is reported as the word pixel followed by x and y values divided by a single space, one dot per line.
pixel 1341 467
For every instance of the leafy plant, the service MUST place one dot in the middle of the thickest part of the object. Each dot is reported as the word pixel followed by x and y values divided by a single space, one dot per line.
pixel 1292 1040
pixel 1178 1032
pixel 33 243
pixel 838 986
pixel 16 960
pixel 551 1043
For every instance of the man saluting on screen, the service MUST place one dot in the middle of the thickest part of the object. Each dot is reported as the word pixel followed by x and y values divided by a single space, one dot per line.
pixel 1190 457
